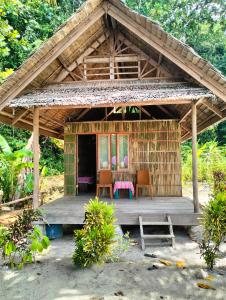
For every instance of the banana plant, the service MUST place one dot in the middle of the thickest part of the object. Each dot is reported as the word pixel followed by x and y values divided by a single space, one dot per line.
pixel 11 165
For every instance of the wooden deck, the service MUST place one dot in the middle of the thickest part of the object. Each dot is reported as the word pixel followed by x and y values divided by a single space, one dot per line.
pixel 70 210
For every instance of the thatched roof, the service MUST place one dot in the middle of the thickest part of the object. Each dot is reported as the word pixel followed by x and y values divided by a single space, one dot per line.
pixel 85 33
pixel 112 93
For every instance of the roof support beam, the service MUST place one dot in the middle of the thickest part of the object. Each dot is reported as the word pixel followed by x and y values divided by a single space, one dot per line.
pixel 189 111
pixel 73 76
pixel 147 57
pixel 19 116
pixel 167 112
pixel 80 59
pixel 108 114
pixel 195 158
pixel 52 54
pixel 83 113
pixel 36 157
pixel 146 112
pixel 163 48
pixel 29 122
pixel 213 108
pixel 123 104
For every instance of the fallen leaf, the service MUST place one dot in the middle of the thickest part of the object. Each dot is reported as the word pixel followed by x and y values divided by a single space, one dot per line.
pixel 166 262
pixel 210 277
pixel 205 286
pixel 180 264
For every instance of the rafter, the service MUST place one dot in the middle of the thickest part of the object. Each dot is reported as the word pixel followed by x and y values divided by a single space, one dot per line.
pixel 29 122
pixel 80 59
pixel 75 77
pixel 213 108
pixel 51 55
pixel 154 63
pixel 83 113
pixel 166 111
pixel 19 116
pixel 146 112
pixel 168 52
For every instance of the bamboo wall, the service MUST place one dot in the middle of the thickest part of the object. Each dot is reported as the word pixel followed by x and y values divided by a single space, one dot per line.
pixel 153 145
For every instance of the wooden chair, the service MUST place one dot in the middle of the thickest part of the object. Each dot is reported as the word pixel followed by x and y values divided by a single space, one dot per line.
pixel 105 182
pixel 143 181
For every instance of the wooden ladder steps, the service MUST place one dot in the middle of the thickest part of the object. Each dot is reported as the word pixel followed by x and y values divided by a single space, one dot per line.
pixel 166 222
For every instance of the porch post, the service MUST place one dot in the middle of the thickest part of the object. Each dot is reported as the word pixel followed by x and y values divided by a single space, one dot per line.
pixel 36 157
pixel 194 158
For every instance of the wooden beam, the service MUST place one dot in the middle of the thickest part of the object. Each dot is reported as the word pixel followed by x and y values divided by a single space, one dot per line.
pixel 166 111
pixel 36 157
pixel 123 104
pixel 28 122
pixel 146 112
pixel 8 120
pixel 213 108
pixel 165 50
pixel 43 62
pixel 80 59
pixel 154 63
pixel 194 159
pixel 75 77
pixel 19 116
pixel 111 112
pixel 83 113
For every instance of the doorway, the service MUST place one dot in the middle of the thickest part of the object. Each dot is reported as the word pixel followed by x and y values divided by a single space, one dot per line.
pixel 86 163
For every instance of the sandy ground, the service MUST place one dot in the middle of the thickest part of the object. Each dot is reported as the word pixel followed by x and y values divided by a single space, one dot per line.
pixel 54 276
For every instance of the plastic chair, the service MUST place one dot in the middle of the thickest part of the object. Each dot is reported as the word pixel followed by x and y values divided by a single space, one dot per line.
pixel 143 181
pixel 105 182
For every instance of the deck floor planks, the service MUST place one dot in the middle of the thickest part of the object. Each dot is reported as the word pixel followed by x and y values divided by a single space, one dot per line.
pixel 70 210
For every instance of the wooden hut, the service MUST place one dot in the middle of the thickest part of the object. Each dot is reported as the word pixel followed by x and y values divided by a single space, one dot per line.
pixel 123 94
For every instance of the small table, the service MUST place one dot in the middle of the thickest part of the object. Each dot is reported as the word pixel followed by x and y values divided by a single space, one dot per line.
pixel 123 185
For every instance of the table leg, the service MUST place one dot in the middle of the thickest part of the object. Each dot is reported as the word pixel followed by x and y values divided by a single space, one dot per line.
pixel 116 195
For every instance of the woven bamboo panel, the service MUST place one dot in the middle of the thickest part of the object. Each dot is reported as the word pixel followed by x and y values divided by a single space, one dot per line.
pixel 70 165
pixel 154 145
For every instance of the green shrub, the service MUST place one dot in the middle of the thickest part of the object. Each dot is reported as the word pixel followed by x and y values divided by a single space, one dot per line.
pixel 93 242
pixel 214 224
pixel 219 181
pixel 211 158
pixel 20 243
pixel 12 163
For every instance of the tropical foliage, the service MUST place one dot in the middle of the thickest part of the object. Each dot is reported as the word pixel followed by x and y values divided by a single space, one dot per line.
pixel 12 163
pixel 211 157
pixel 93 242
pixel 21 241
pixel 214 222
pixel 51 149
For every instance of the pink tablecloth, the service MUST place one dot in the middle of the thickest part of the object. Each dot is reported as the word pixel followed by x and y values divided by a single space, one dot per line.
pixel 120 185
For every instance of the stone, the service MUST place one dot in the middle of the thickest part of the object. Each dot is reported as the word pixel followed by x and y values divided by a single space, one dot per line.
pixel 196 233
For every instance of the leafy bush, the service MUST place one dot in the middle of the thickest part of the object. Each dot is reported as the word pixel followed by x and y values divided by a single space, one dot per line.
pixel 21 241
pixel 214 222
pixel 93 242
pixel 11 165
pixel 219 181
pixel 211 158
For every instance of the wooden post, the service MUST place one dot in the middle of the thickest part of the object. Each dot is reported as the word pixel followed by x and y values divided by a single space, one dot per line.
pixel 194 158
pixel 36 157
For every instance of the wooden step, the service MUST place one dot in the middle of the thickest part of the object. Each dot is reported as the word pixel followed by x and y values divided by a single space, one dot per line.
pixel 157 236
pixel 156 223
pixel 166 222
